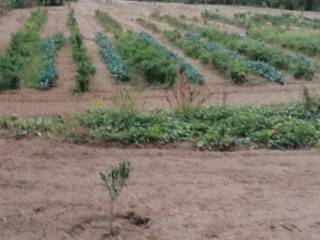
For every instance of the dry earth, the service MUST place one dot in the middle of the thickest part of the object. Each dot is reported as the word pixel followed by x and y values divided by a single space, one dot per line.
pixel 51 191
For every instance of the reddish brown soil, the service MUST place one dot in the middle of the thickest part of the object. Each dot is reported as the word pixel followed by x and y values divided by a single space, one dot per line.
pixel 52 191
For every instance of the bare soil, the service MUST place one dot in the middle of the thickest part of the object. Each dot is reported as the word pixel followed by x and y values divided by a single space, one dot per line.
pixel 52 191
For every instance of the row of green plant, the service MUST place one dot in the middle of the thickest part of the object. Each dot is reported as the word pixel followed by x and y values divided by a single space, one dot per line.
pixel 304 42
pixel 285 19
pixel 149 25
pixel 23 58
pixel 145 54
pixel 298 65
pixel 279 127
pixel 192 74
pixel 279 33
pixel 85 69
pixel 49 75
pixel 153 63
pixel 113 61
pixel 108 22
pixel 228 62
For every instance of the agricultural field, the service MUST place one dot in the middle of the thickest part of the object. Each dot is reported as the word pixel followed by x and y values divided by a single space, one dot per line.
pixel 208 118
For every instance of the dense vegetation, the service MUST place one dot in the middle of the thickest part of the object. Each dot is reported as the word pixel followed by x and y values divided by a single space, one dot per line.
pixel 85 69
pixel 145 55
pixel 49 74
pixel 23 59
pixel 298 65
pixel 228 62
pixel 113 61
pixel 279 127
pixel 153 63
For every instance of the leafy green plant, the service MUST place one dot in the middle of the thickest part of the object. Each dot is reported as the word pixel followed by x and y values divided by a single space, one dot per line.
pixel 114 181
pixel 49 74
pixel 149 25
pixel 85 68
pixel 153 63
pixel 108 22
pixel 113 61
pixel 256 50
pixel 23 59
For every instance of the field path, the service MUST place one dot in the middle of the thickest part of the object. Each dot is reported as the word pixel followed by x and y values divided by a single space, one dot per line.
pixel 52 191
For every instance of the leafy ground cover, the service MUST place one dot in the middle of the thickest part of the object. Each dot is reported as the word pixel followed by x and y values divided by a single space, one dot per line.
pixel 85 68
pixel 49 75
pixel 108 22
pixel 23 59
pixel 222 128
pixel 144 54
pixel 149 25
pixel 258 27
pixel 113 61
pixel 298 65
pixel 152 63
pixel 228 62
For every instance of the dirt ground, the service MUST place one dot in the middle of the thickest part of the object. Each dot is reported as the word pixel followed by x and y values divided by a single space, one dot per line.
pixel 62 99
pixel 52 191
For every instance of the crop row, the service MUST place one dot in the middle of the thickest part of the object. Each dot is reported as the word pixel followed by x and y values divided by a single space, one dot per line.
pixel 49 75
pixel 113 61
pixel 153 63
pixel 144 54
pixel 23 58
pixel 228 62
pixel 192 74
pixel 222 128
pixel 279 33
pixel 298 65
pixel 85 69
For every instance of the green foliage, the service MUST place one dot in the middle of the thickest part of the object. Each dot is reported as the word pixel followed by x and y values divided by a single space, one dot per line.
pixel 228 62
pixel 222 128
pixel 108 23
pixel 22 60
pixel 114 181
pixel 113 61
pixel 149 25
pixel 49 74
pixel 298 65
pixel 211 128
pixel 85 69
pixel 153 63
pixel 192 74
